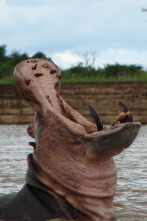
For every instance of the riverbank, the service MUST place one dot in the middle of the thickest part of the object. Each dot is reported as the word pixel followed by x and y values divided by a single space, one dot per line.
pixel 104 97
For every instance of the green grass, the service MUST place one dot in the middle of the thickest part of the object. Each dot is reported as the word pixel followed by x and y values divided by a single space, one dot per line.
pixel 102 79
pixel 6 81
pixel 89 80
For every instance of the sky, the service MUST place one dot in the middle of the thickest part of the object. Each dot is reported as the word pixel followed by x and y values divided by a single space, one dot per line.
pixel 110 31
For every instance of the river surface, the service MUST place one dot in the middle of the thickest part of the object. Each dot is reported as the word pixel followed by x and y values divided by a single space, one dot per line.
pixel 131 196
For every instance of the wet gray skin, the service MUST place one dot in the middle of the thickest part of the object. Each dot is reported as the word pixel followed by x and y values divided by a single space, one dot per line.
pixel 72 157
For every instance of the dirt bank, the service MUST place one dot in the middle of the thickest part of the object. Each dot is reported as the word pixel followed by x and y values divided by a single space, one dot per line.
pixel 104 97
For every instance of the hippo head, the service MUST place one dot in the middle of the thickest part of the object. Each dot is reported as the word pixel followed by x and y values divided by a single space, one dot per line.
pixel 72 157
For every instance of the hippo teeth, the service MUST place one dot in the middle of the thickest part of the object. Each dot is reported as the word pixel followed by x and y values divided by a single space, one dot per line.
pixel 96 118
pixel 125 115
pixel 128 116
pixel 63 111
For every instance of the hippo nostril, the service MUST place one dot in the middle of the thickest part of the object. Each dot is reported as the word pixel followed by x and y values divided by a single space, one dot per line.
pixel 38 74
pixel 53 71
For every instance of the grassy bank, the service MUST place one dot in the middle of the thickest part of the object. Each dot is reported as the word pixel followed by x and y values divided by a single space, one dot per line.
pixel 141 78
pixel 88 80
pixel 6 81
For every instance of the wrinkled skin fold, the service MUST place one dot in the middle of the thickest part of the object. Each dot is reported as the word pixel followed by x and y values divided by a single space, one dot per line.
pixel 72 161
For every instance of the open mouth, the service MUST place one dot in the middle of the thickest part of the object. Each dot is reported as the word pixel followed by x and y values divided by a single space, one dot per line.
pixel 38 82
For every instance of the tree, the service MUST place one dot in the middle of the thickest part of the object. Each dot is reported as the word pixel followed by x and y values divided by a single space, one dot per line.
pixel 39 55
pixel 88 57
pixel 2 52
pixel 16 57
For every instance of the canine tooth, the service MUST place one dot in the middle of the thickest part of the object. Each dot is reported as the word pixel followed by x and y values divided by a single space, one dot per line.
pixel 128 116
pixel 125 115
pixel 120 117
pixel 96 118
pixel 123 107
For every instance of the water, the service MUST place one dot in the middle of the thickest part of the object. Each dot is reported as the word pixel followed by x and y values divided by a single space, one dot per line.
pixel 131 197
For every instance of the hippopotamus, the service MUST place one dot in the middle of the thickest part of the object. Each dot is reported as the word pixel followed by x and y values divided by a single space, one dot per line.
pixel 71 173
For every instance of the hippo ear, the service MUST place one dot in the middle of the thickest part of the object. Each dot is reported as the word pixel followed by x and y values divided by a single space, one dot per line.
pixel 112 142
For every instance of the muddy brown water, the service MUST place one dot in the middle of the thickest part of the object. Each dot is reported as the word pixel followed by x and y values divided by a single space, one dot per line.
pixel 131 196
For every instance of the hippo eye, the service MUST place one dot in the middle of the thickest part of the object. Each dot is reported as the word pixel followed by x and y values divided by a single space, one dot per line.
pixel 38 74
pixel 53 71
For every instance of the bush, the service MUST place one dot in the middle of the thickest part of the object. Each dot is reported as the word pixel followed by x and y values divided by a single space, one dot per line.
pixel 79 72
pixel 117 71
